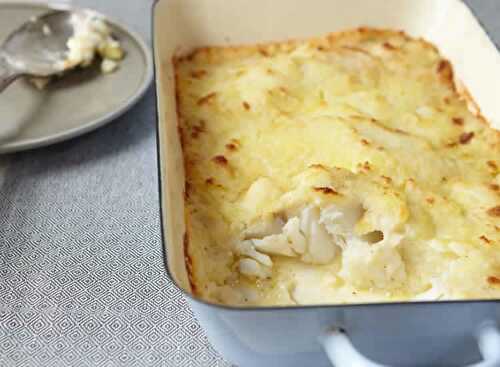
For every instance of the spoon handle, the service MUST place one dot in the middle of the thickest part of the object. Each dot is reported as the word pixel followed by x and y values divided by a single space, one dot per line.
pixel 7 74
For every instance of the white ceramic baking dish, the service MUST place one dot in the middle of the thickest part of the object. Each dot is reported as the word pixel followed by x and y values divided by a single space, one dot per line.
pixel 399 334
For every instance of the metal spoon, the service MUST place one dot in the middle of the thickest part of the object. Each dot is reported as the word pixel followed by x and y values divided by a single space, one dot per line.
pixel 35 48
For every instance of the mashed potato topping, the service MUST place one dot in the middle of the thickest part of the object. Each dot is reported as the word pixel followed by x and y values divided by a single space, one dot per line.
pixel 91 37
pixel 341 169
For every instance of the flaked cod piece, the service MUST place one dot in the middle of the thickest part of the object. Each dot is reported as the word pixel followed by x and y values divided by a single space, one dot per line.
pixel 360 231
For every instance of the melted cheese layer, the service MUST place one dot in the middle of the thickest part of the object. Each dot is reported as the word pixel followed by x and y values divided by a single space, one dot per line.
pixel 340 169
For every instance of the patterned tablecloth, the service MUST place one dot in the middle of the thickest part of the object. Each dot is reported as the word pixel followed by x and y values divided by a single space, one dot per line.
pixel 82 281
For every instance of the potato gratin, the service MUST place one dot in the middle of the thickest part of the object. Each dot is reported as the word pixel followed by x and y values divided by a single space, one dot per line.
pixel 342 169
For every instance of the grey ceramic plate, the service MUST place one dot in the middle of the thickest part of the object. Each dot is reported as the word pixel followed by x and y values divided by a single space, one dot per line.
pixel 75 104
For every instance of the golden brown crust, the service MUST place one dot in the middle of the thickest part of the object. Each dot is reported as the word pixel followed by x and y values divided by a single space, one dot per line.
pixel 485 239
pixel 207 99
pixel 335 41
pixel 494 212
pixel 220 160
pixel 445 71
pixel 188 259
pixel 326 190
pixel 465 138
pixel 325 43
pixel 494 280
pixel 231 147
pixel 389 46
pixel 494 187
pixel 198 74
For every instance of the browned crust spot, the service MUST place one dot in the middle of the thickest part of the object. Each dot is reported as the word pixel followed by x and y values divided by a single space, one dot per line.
pixel 220 160
pixel 263 52
pixel 445 70
pixel 485 239
pixel 283 90
pixel 319 166
pixel 442 66
pixel 494 212
pixel 365 142
pixel 206 99
pixel 198 129
pixel 357 49
pixel 430 200
pixel 387 128
pixel 189 263
pixel 458 121
pixel 326 190
pixel 211 182
pixel 465 138
pixel 193 54
pixel 493 280
pixel 246 105
pixel 389 46
pixel 231 147
pixel 198 74
pixel 235 142
pixel 187 190
pixel 492 165
pixel 180 132
pixel 387 180
pixel 494 187
pixel 365 166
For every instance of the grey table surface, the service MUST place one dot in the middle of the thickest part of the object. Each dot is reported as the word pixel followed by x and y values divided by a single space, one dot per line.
pixel 82 281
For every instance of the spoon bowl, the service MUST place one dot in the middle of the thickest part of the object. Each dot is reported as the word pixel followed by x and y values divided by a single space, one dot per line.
pixel 36 48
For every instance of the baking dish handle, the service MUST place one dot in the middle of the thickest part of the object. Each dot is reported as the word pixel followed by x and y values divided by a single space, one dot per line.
pixel 342 353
